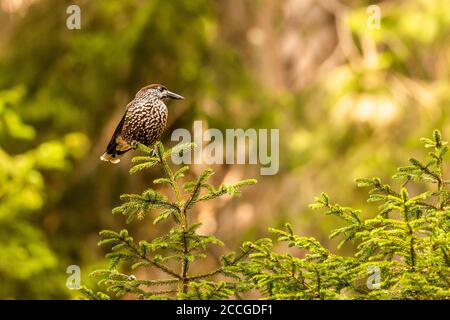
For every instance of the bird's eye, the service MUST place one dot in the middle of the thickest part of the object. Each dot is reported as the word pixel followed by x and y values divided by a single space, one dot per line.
pixel 161 89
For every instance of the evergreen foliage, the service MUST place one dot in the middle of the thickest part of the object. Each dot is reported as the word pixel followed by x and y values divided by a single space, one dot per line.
pixel 407 241
pixel 401 253
pixel 172 253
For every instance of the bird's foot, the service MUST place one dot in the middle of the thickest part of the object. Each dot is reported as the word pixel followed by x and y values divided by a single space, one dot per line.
pixel 134 144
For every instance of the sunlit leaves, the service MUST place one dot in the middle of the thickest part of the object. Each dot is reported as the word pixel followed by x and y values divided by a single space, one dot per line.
pixel 26 255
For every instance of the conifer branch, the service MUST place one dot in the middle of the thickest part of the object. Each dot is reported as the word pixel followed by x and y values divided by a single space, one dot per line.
pixel 182 244
pixel 406 241
pixel 404 250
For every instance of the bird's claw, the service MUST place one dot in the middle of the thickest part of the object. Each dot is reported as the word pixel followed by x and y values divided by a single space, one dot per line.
pixel 134 144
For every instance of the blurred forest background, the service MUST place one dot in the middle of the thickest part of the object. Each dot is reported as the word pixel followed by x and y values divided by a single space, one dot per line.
pixel 350 102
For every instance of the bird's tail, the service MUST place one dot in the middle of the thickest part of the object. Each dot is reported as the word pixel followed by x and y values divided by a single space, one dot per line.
pixel 117 147
pixel 114 157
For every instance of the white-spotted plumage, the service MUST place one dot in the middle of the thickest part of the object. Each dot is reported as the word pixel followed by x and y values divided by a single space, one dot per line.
pixel 144 121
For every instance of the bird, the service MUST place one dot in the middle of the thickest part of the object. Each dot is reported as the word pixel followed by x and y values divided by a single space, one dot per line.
pixel 144 121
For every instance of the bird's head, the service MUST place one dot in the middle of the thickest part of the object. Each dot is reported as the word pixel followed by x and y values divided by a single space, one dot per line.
pixel 159 91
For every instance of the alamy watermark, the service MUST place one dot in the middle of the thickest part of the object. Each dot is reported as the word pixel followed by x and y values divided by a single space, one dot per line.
pixel 73 21
pixel 236 146
pixel 374 19
pixel 374 278
pixel 74 280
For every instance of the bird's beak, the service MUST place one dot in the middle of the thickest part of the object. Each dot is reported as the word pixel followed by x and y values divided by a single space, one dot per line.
pixel 173 95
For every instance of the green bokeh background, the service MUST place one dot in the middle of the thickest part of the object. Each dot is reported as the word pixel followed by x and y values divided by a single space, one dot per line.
pixel 350 101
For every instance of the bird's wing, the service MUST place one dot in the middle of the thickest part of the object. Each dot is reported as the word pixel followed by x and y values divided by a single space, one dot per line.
pixel 111 149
